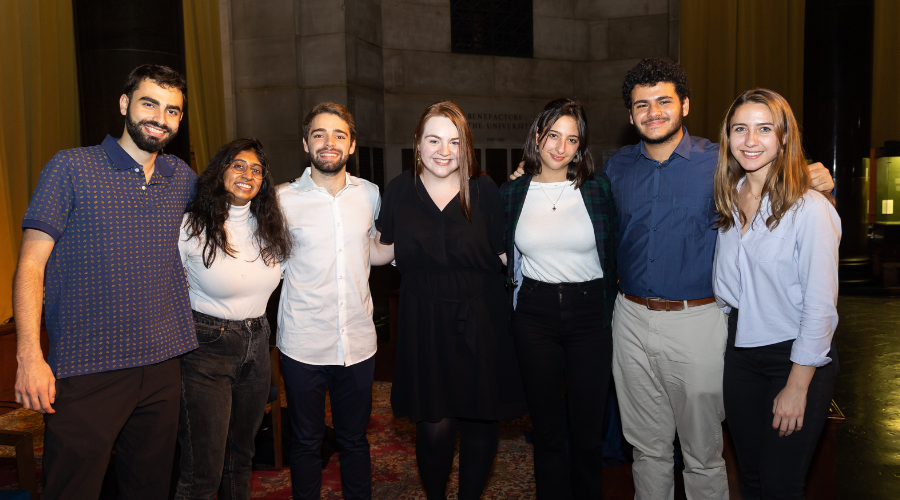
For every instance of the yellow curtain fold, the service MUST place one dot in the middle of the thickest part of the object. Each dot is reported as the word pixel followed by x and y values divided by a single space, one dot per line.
pixel 38 112
pixel 206 91
pixel 729 46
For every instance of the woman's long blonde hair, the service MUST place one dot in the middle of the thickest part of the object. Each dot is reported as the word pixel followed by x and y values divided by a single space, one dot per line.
pixel 788 178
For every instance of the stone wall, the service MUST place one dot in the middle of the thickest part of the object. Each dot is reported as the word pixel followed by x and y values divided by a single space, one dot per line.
pixel 388 59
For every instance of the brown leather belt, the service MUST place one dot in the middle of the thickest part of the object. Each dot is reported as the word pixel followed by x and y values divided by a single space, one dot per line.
pixel 658 304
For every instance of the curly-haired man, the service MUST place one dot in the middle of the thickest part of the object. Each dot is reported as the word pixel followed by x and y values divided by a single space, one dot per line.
pixel 668 334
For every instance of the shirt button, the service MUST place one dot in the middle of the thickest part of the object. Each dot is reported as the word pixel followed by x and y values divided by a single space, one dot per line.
pixel 137 169
pixel 656 197
pixel 340 250
pixel 649 291
pixel 342 303
pixel 651 260
pixel 144 187
pixel 338 223
pixel 342 330
pixel 340 277
pixel 654 229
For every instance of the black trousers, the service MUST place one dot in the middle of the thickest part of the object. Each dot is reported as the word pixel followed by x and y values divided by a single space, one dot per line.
pixel 771 467
pixel 558 337
pixel 350 388
pixel 135 410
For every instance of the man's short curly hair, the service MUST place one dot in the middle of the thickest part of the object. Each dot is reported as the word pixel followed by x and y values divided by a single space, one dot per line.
pixel 652 71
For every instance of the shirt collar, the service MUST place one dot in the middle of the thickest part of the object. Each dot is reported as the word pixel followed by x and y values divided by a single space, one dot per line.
pixel 683 149
pixel 121 160
pixel 305 182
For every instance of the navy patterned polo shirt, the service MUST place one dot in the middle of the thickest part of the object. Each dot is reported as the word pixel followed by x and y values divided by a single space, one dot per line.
pixel 115 294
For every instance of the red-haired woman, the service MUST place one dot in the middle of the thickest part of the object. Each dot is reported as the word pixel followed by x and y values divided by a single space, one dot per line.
pixel 456 367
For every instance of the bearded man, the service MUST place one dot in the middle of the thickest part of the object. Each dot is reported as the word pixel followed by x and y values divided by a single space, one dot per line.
pixel 325 330
pixel 99 249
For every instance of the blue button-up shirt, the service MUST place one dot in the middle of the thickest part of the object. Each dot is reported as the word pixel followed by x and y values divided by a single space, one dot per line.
pixel 666 217
pixel 115 295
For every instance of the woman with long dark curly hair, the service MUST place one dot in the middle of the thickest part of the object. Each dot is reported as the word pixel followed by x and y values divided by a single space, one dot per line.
pixel 232 242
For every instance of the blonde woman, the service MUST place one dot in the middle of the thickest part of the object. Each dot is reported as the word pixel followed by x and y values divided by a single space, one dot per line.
pixel 776 271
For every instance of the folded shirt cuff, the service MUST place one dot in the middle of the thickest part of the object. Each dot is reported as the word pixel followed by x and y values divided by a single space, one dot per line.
pixel 806 358
pixel 41 226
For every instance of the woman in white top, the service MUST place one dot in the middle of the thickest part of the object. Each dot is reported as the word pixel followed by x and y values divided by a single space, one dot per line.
pixel 232 242
pixel 776 260
pixel 561 239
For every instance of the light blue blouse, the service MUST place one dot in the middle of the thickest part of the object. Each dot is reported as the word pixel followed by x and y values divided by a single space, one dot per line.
pixel 784 281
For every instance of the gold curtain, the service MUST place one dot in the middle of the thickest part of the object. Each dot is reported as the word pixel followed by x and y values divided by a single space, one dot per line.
pixel 729 46
pixel 38 112
pixel 885 98
pixel 206 91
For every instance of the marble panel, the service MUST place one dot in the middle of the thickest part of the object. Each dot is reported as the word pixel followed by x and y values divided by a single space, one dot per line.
pixel 363 19
pixel 638 37
pixel 446 73
pixel 367 65
pixel 264 62
pixel 268 113
pixel 261 18
pixel 415 26
pixel 561 39
pixel 286 158
pixel 323 60
pixel 318 17
pixel 599 40
pixel 313 96
pixel 607 77
pixel 554 8
pixel 519 77
pixel 604 9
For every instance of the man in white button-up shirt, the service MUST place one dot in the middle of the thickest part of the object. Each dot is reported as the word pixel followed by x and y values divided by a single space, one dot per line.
pixel 325 330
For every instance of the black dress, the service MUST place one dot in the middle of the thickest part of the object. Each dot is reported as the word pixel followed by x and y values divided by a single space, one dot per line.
pixel 455 356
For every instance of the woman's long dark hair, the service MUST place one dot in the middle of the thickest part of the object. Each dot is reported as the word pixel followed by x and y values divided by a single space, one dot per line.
pixel 208 210
pixel 582 166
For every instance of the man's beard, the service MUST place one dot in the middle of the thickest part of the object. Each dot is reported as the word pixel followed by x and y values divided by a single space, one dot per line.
pixel 665 137
pixel 329 168
pixel 145 142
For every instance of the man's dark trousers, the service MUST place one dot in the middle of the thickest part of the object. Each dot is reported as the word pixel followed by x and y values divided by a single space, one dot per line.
pixel 350 388
pixel 134 410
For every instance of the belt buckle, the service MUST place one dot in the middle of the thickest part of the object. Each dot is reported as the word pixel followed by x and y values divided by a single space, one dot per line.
pixel 647 301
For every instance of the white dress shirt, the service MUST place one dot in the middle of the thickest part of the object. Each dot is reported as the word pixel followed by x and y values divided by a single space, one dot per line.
pixel 784 282
pixel 233 288
pixel 325 315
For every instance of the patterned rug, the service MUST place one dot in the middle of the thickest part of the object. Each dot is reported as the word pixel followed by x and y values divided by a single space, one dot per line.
pixel 394 472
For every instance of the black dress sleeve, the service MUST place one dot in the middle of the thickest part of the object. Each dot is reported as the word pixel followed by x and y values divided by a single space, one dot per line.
pixel 385 220
pixel 492 210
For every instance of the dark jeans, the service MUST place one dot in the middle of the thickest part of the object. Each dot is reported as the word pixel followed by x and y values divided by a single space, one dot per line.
pixel 350 388
pixel 771 467
pixel 558 336
pixel 133 409
pixel 225 385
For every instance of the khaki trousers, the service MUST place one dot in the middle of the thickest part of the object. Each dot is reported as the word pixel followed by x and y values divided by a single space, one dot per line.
pixel 668 369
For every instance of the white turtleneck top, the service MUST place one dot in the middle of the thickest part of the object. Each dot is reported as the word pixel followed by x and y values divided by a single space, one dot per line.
pixel 233 288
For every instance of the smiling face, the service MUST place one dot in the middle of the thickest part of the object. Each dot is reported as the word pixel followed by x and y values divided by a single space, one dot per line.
pixel 752 139
pixel 243 186
pixel 152 115
pixel 656 112
pixel 560 144
pixel 329 143
pixel 439 147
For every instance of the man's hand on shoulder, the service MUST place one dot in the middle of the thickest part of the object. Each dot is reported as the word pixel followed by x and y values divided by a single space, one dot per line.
pixel 35 384
pixel 519 171
pixel 820 178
